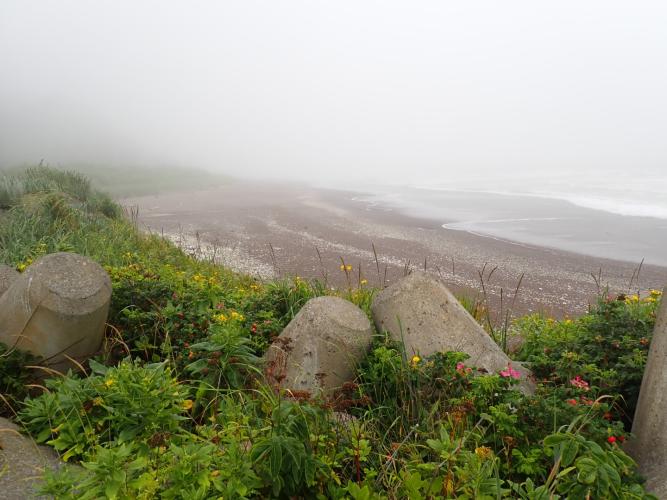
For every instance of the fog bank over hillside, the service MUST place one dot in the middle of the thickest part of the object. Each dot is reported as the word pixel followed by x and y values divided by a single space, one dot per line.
pixel 339 93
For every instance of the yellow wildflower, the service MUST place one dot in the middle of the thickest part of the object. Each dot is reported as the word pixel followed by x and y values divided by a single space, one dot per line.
pixel 655 293
pixel 415 360
pixel 220 318
pixel 109 382
pixel 363 282
pixel 484 452
pixel 237 316
pixel 187 404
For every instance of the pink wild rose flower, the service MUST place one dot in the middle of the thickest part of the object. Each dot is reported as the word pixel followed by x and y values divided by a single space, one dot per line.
pixel 579 383
pixel 510 372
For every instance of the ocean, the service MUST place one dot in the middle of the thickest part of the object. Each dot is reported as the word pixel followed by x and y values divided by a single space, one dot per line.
pixel 622 217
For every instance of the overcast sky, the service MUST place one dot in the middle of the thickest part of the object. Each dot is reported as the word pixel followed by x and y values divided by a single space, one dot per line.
pixel 395 90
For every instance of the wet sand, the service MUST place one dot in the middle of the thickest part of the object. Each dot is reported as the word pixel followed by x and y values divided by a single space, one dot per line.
pixel 271 230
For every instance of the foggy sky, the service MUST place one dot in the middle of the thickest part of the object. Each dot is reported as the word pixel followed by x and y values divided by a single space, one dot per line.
pixel 337 91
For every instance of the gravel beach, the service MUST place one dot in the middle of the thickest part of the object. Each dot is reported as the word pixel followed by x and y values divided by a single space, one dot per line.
pixel 270 230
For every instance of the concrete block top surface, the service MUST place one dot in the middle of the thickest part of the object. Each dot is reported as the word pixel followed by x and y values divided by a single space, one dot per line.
pixel 428 316
pixel 334 310
pixel 419 286
pixel 69 281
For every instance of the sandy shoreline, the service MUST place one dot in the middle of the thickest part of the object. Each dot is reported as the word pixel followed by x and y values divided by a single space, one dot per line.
pixel 271 229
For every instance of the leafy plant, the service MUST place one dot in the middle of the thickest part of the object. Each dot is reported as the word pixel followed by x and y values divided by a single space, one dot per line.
pixel 285 456
pixel 14 377
pixel 117 404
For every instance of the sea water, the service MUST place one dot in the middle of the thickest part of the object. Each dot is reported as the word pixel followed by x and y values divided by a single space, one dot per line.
pixel 617 216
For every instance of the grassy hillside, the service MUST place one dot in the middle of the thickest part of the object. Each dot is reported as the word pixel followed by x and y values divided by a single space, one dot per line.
pixel 122 182
pixel 177 407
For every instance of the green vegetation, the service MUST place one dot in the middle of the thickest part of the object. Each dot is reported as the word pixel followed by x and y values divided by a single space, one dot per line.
pixel 178 407
pixel 129 181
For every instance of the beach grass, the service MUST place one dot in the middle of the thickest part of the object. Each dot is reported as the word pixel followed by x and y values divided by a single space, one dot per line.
pixel 116 181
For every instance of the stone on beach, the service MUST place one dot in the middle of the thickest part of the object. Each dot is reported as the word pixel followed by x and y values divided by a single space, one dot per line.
pixel 58 307
pixel 421 312
pixel 649 427
pixel 321 347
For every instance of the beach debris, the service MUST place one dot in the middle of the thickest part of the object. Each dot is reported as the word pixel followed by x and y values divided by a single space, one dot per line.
pixel 419 311
pixel 57 308
pixel 7 276
pixel 23 463
pixel 320 348
pixel 649 445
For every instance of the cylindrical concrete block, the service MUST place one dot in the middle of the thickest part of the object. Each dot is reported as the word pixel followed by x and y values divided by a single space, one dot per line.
pixel 57 307
pixel 7 276
pixel 649 445
pixel 424 315
pixel 321 347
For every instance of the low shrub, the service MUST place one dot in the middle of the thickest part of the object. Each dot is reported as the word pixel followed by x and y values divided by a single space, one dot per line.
pixel 607 347
pixel 113 405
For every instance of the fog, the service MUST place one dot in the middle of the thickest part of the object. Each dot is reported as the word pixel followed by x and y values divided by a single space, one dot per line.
pixel 337 92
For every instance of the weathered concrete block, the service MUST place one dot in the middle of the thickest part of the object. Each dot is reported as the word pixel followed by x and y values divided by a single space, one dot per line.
pixel 57 307
pixel 321 346
pixel 649 445
pixel 421 312
pixel 23 463
pixel 7 276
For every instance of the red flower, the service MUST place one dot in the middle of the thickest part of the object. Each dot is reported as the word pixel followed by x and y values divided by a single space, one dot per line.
pixel 611 439
pixel 572 402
